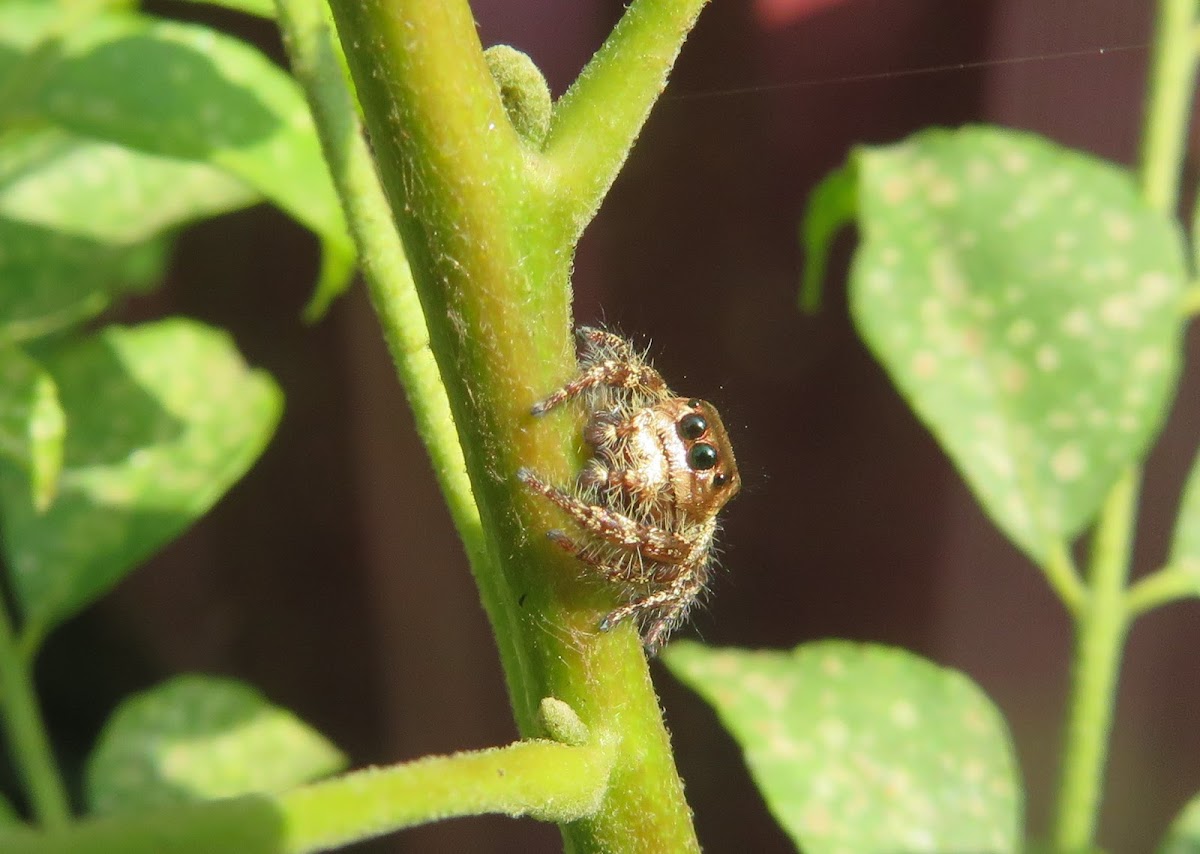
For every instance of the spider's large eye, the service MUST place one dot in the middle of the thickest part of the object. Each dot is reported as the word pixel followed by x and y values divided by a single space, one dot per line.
pixel 692 426
pixel 702 457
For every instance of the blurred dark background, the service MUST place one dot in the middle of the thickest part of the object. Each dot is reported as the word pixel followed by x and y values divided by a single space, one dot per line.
pixel 331 577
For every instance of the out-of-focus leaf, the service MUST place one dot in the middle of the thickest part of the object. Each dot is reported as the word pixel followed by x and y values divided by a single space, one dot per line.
pixel 830 208
pixel 8 815
pixel 1025 301
pixel 52 280
pixel 32 426
pixel 182 91
pixel 161 420
pixel 106 192
pixel 865 749
pixel 1184 834
pixel 198 738
pixel 82 221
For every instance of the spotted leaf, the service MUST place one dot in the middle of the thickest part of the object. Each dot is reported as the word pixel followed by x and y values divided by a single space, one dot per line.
pixel 1025 302
pixel 198 738
pixel 161 420
pixel 865 749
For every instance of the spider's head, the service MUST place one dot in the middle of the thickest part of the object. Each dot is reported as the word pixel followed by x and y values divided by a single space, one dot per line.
pixel 703 470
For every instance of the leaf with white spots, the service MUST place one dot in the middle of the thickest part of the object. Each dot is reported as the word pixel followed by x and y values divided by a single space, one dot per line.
pixel 198 738
pixel 865 749
pixel 1025 301
pixel 80 221
pixel 161 420
pixel 183 91
pixel 32 425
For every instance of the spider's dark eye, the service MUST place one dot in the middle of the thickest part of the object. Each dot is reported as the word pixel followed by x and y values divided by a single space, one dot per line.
pixel 693 403
pixel 692 426
pixel 720 479
pixel 702 457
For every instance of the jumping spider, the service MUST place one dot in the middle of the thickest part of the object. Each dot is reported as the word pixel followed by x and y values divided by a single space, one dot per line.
pixel 647 501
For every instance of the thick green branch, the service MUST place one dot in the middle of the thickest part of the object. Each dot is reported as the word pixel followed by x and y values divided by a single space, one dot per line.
pixel 597 120
pixel 492 274
pixel 543 779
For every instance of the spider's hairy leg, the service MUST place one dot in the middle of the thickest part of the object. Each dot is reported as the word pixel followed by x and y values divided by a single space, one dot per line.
pixel 598 341
pixel 627 572
pixel 650 541
pixel 671 605
pixel 607 360
pixel 632 376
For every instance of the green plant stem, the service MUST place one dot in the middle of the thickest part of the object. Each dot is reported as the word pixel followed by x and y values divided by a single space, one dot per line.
pixel 492 273
pixel 1060 571
pixel 1101 626
pixel 1099 637
pixel 544 779
pixel 1191 302
pixel 586 147
pixel 1168 103
pixel 27 741
pixel 1164 586
pixel 315 64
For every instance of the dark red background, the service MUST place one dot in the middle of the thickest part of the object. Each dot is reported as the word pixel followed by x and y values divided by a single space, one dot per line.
pixel 331 577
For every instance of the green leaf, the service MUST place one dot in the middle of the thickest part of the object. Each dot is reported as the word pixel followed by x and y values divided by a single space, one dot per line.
pixel 1184 834
pixel 161 420
pixel 199 738
pixel 52 281
pixel 1025 302
pixel 831 206
pixel 211 98
pixel 865 748
pixel 8 815
pixel 32 425
pixel 80 221
pixel 106 192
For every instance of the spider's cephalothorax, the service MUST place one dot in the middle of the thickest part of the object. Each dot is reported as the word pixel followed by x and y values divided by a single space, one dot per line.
pixel 646 503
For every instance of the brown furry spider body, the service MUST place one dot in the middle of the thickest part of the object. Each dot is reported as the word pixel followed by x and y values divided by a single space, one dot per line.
pixel 647 501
